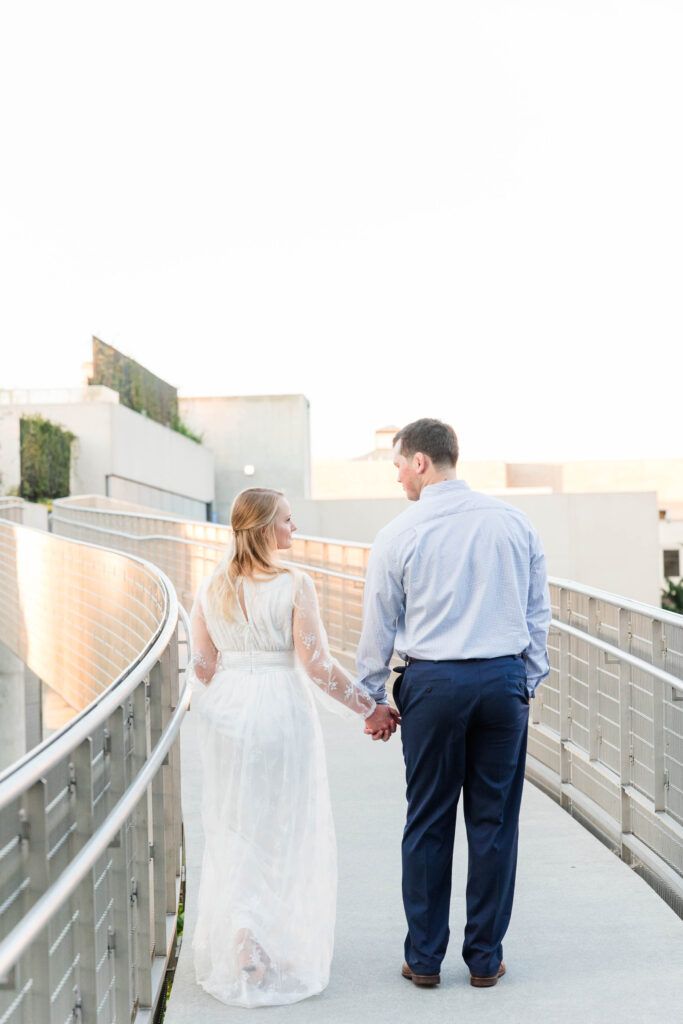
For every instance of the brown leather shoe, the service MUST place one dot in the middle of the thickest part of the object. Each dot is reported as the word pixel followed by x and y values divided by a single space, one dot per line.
pixel 487 981
pixel 423 980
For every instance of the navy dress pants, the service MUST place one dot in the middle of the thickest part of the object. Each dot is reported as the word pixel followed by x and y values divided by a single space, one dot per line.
pixel 464 728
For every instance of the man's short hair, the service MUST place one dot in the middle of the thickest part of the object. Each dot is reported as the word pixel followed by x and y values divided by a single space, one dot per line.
pixel 432 438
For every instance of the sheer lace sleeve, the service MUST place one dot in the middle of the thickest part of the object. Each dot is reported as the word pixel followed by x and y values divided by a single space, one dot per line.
pixel 310 643
pixel 204 654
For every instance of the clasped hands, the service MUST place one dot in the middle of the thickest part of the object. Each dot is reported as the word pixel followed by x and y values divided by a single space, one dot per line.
pixel 382 722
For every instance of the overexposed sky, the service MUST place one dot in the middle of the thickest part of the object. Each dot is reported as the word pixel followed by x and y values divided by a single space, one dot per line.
pixel 472 210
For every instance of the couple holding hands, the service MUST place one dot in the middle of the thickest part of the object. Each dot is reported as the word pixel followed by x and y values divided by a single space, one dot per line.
pixel 457 585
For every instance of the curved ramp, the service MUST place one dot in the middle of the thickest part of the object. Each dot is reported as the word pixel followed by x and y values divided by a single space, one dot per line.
pixel 589 942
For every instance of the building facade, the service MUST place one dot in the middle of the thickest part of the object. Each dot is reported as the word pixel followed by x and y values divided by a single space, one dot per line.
pixel 256 441
pixel 116 452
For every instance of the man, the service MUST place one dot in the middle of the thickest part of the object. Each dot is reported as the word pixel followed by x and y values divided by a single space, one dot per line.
pixel 457 585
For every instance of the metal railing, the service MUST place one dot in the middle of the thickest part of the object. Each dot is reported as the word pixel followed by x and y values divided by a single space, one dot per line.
pixel 12 509
pixel 185 550
pixel 90 820
pixel 606 735
pixel 606 729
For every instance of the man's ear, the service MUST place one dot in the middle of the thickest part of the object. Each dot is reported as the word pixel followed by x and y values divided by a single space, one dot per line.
pixel 420 460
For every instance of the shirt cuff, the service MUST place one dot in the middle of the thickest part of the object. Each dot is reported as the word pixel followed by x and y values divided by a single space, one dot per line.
pixel 367 714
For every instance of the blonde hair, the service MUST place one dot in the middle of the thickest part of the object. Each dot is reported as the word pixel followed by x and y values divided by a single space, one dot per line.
pixel 250 552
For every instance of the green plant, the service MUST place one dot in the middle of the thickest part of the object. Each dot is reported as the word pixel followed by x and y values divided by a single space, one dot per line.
pixel 178 425
pixel 45 457
pixel 672 599
pixel 138 388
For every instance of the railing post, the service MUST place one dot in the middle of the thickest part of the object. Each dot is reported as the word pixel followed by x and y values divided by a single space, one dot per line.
pixel 594 738
pixel 564 698
pixel 659 649
pixel 174 863
pixel 84 897
pixel 325 603
pixel 343 613
pixel 625 736
pixel 166 824
pixel 142 889
pixel 158 719
pixel 120 943
pixel 38 956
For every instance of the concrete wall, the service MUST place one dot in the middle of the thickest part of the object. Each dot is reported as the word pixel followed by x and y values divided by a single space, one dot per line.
pixel 350 519
pixel 269 432
pixel 610 541
pixel 152 465
pixel 665 476
pixel 535 474
pixel 117 451
pixel 34 515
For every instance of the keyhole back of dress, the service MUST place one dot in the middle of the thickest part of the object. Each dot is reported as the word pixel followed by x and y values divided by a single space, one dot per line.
pixel 241 597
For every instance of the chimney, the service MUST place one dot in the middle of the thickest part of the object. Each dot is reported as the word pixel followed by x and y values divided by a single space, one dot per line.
pixel 384 438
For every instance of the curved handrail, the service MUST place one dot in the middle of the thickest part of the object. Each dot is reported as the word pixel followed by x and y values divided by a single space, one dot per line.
pixel 65 503
pixel 630 659
pixel 136 536
pixel 20 938
pixel 637 607
pixel 188 541
pixel 46 755
pixel 62 852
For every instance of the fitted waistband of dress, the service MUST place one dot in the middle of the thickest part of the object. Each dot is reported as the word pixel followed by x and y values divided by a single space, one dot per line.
pixel 257 661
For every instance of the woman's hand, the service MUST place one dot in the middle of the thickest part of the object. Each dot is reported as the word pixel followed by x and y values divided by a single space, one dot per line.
pixel 381 724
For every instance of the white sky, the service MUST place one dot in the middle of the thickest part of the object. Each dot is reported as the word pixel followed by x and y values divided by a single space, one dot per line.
pixel 469 210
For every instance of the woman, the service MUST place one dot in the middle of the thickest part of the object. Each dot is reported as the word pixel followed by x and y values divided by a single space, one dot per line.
pixel 267 894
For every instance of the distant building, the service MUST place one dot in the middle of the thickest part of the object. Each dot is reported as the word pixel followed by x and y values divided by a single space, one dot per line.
pixel 357 484
pixel 136 441
pixel 117 452
pixel 384 446
pixel 256 441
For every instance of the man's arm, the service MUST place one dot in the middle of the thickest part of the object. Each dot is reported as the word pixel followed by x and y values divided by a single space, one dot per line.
pixel 383 602
pixel 538 616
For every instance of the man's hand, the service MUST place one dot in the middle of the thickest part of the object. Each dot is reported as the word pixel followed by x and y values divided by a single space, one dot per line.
pixel 382 722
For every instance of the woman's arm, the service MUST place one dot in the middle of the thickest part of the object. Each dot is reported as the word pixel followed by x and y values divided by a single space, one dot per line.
pixel 310 643
pixel 204 653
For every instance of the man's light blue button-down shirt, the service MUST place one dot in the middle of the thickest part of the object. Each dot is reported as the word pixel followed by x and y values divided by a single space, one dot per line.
pixel 457 575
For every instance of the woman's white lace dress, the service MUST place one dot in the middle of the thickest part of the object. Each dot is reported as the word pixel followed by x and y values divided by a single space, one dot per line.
pixel 267 896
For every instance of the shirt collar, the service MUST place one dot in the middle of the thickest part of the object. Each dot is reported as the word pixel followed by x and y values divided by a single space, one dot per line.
pixel 435 490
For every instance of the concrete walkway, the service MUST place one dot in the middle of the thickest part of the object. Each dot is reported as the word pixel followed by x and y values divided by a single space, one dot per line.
pixel 589 941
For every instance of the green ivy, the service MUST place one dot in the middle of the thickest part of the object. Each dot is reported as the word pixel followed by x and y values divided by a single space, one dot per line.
pixel 182 428
pixel 138 388
pixel 45 459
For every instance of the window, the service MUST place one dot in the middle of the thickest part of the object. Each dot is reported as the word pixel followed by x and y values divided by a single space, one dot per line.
pixel 672 563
